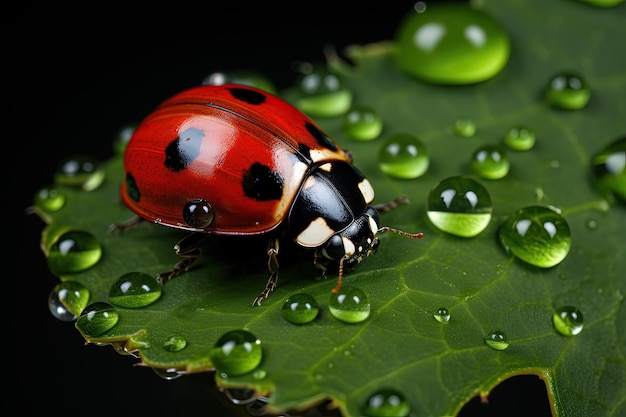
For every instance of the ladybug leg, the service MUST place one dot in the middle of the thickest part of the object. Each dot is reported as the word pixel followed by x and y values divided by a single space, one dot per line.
pixel 272 266
pixel 128 224
pixel 390 205
pixel 189 249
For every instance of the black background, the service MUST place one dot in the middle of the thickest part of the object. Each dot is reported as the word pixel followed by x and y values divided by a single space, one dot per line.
pixel 73 77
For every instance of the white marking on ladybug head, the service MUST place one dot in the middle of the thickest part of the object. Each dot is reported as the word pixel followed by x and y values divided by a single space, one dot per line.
pixel 316 233
pixel 367 190
pixel 348 246
pixel 326 167
pixel 373 227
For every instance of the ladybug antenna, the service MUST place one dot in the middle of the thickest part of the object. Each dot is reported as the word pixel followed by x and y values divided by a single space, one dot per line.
pixel 401 232
pixel 338 286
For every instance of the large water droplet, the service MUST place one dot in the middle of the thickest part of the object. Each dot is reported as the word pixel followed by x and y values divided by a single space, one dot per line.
pixel 609 169
pixel 49 199
pixel 300 308
pixel 81 172
pixel 490 162
pixel 323 93
pixel 386 403
pixel 73 251
pixel 451 43
pixel 460 206
pixel 236 353
pixel 350 304
pixel 497 340
pixel 403 156
pixel 58 309
pixel 96 319
pixel 568 320
pixel 537 235
pixel 567 90
pixel 362 123
pixel 73 295
pixel 519 138
pixel 134 290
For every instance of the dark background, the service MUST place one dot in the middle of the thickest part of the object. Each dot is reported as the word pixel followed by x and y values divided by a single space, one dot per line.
pixel 73 77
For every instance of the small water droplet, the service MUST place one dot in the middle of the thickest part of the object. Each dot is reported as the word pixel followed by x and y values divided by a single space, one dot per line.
pixel 58 309
pixel 73 295
pixel 350 304
pixel 451 43
pixel 237 352
pixel 567 90
pixel 96 319
pixel 362 123
pixel 122 137
pixel 49 199
pixel 537 235
pixel 465 128
pixel 442 315
pixel 591 224
pixel 403 156
pixel 240 396
pixel 490 162
pixel 323 93
pixel 300 308
pixel 73 251
pixel 168 374
pixel 568 320
pixel 250 78
pixel 134 290
pixel 385 403
pixel 497 340
pixel 175 343
pixel 609 170
pixel 81 172
pixel 519 138
pixel 460 206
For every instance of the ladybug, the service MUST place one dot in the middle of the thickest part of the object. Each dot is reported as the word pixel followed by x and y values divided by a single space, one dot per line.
pixel 236 160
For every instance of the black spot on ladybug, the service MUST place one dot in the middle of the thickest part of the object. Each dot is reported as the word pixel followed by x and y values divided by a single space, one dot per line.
pixel 261 183
pixel 320 137
pixel 184 149
pixel 249 96
pixel 131 187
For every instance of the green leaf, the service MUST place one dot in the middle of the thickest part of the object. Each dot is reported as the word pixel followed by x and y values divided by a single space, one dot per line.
pixel 437 366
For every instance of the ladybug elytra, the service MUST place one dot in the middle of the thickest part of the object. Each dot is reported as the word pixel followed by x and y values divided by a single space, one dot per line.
pixel 236 160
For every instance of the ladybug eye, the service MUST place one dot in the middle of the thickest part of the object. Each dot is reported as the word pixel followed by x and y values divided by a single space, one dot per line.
pixel 198 214
pixel 333 249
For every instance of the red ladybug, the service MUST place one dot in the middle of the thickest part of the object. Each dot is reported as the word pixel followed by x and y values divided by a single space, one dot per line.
pixel 236 160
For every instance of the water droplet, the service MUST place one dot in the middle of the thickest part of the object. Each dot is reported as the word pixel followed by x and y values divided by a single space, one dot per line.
pixel 603 3
pixel 385 403
pixel 122 138
pixel 175 343
pixel 537 235
pixel 259 374
pixel 240 396
pixel 134 290
pixel 49 199
pixel 300 308
pixel 465 128
pixel 323 94
pixel 490 162
pixel 250 78
pixel 58 309
pixel 168 374
pixel 73 251
pixel 96 319
pixel 80 172
pixel 591 224
pixel 362 123
pixel 519 138
pixel 460 206
pixel 349 304
pixel 73 295
pixel 236 353
pixel 403 156
pixel 609 170
pixel 442 315
pixel 568 320
pixel 567 90
pixel 451 43
pixel 497 340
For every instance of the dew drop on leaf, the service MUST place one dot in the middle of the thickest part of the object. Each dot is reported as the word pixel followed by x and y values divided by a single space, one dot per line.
pixel 49 199
pixel 175 343
pixel 237 352
pixel 134 290
pixel 609 170
pixel 442 315
pixel 122 138
pixel 497 340
pixel 250 78
pixel 465 128
pixel 568 320
pixel 451 43
pixel 537 235
pixel 300 308
pixel 73 251
pixel 58 309
pixel 490 162
pixel 403 156
pixel 80 172
pixel 73 295
pixel 323 93
pixel 362 123
pixel 567 90
pixel 460 206
pixel 519 138
pixel 350 304
pixel 386 403
pixel 168 374
pixel 96 319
